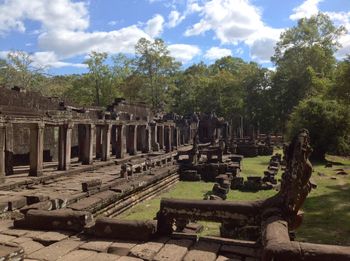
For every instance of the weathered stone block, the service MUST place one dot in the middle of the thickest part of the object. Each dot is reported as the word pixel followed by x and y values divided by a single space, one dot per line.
pixel 124 229
pixel 63 219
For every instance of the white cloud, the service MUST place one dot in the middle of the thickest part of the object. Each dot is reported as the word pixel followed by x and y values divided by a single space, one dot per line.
pixel 112 23
pixel 239 51
pixel 307 9
pixel 175 18
pixel 184 52
pixel 215 53
pixel 231 20
pixel 69 43
pixel 345 49
pixel 342 18
pixel 154 26
pixel 53 15
pixel 234 22
pixel 43 59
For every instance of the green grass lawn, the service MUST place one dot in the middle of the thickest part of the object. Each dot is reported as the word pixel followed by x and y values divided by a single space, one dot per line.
pixel 327 209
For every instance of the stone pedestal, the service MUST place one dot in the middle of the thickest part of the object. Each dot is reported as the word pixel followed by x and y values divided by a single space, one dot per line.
pixel 36 149
pixel 64 146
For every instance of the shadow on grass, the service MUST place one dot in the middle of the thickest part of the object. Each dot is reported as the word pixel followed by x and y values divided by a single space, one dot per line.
pixel 327 217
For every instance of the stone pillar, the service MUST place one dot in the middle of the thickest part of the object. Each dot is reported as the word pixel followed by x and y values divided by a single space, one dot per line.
pixel 2 153
pixel 132 140
pixel 81 139
pixel 99 131
pixel 36 153
pixel 176 137
pixel 106 142
pixel 64 146
pixel 146 139
pixel 114 139
pixel 153 133
pixel 161 136
pixel 168 138
pixel 121 142
pixel 87 153
pixel 9 149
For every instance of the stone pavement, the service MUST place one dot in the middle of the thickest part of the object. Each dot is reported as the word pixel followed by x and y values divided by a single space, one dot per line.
pixel 64 246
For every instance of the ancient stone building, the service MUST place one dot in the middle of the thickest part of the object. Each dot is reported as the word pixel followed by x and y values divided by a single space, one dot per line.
pixel 66 172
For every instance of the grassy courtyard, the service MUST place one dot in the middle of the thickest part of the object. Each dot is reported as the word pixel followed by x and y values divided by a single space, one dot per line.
pixel 327 209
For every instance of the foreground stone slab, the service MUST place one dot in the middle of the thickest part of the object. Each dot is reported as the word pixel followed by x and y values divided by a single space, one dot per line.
pixel 11 252
pixel 62 219
pixel 102 257
pixel 31 246
pixel 50 237
pixel 129 258
pixel 124 229
pixel 147 250
pixel 77 255
pixel 240 250
pixel 6 238
pixel 99 246
pixel 202 251
pixel 56 250
pixel 121 248
pixel 174 250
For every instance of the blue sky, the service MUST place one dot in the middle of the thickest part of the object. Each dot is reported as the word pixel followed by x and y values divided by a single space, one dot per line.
pixel 60 33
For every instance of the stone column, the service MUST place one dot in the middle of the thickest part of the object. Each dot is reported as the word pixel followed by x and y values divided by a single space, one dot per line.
pixel 146 139
pixel 64 146
pixel 99 131
pixel 132 139
pixel 2 153
pixel 153 134
pixel 114 139
pixel 168 138
pixel 176 137
pixel 161 136
pixel 90 130
pixel 121 142
pixel 106 142
pixel 36 153
pixel 9 148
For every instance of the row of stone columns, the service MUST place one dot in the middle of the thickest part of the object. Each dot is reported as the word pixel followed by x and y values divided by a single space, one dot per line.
pixel 123 139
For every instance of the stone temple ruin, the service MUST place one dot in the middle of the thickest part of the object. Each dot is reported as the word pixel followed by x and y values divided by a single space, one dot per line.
pixel 67 172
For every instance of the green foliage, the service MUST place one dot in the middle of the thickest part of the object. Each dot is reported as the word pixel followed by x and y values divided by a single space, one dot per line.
pixel 19 70
pixel 328 122
pixel 341 86
pixel 305 62
pixel 154 63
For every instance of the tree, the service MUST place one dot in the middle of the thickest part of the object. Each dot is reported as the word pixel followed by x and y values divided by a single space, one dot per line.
pixel 328 122
pixel 188 85
pixel 153 61
pixel 305 62
pixel 341 87
pixel 22 71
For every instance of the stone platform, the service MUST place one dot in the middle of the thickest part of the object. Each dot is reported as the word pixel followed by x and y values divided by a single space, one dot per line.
pixel 64 246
